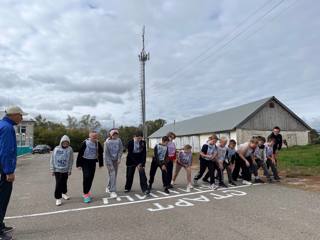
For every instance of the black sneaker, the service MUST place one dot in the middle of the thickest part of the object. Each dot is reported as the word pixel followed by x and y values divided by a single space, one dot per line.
pixel 7 230
pixel 170 186
pixel 258 180
pixel 223 185
pixel 232 183
pixel 4 236
pixel 277 179
pixel 127 190
pixel 166 190
pixel 147 192
pixel 270 180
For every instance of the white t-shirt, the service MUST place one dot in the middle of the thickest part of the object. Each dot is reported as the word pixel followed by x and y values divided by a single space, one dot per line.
pixel 222 151
pixel 248 152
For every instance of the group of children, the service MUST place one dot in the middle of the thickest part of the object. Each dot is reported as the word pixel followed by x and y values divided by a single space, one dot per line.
pixel 216 156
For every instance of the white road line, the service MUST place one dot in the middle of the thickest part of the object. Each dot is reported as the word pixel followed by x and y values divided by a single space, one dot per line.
pixel 121 204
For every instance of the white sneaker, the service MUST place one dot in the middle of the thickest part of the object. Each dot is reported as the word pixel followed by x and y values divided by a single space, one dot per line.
pixel 113 195
pixel 213 186
pixel 107 190
pixel 246 182
pixel 189 187
pixel 65 197
pixel 173 183
pixel 58 202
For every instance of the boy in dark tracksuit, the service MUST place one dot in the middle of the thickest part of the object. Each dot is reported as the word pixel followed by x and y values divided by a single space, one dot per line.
pixel 207 155
pixel 160 160
pixel 229 161
pixel 90 153
pixel 136 158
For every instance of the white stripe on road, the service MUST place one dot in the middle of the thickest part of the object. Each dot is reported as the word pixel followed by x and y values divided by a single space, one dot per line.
pixel 121 204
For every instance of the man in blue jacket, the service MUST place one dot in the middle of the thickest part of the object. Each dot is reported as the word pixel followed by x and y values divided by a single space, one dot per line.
pixel 8 159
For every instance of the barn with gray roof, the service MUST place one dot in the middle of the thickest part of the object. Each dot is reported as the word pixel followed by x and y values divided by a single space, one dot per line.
pixel 239 123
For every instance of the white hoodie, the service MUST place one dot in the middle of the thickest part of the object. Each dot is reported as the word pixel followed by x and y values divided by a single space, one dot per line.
pixel 62 158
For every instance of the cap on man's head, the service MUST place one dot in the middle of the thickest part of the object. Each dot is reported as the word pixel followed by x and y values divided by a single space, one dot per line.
pixel 15 110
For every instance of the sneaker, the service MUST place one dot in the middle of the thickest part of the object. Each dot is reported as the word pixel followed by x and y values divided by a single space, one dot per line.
pixel 87 200
pixel 170 186
pixel 223 185
pixel 107 190
pixel 277 179
pixel 58 202
pixel 270 180
pixel 7 230
pixel 173 183
pixel 214 187
pixel 232 183
pixel 258 180
pixel 166 190
pixel 246 182
pixel 147 192
pixel 189 187
pixel 127 190
pixel 195 181
pixel 4 236
pixel 65 197
pixel 113 195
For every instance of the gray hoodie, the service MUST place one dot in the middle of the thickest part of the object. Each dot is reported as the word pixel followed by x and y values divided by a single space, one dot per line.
pixel 62 158
pixel 113 150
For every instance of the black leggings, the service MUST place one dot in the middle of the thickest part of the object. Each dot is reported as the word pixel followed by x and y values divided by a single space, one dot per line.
pixel 204 164
pixel 153 170
pixel 61 184
pixel 88 170
pixel 130 175
pixel 246 172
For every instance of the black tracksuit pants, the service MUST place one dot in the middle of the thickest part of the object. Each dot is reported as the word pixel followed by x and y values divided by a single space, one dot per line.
pixel 88 171
pixel 5 194
pixel 130 175
pixel 169 171
pixel 61 184
pixel 204 164
pixel 246 171
pixel 153 170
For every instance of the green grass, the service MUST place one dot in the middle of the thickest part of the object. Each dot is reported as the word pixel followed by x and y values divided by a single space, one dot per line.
pixel 300 160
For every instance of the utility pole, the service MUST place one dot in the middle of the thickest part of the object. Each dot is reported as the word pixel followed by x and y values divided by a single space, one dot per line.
pixel 143 57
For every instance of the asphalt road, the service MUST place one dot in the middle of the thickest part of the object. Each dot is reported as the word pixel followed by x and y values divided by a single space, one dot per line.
pixel 267 211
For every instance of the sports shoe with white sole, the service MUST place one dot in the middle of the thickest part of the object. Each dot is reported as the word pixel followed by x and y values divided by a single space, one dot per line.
pixel 107 190
pixel 113 195
pixel 65 197
pixel 214 187
pixel 58 202
pixel 246 182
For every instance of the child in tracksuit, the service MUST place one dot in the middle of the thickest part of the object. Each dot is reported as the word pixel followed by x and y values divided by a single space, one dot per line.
pixel 261 158
pixel 90 153
pixel 207 155
pixel 229 161
pixel 160 160
pixel 172 156
pixel 219 161
pixel 61 162
pixel 113 150
pixel 271 161
pixel 184 161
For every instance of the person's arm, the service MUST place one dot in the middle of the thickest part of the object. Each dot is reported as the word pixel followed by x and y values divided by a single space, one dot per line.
pixel 144 154
pixel 280 142
pixel 129 155
pixel 70 164
pixel 204 151
pixel 52 170
pixel 120 151
pixel 155 153
pixel 100 154
pixel 106 154
pixel 80 155
pixel 9 158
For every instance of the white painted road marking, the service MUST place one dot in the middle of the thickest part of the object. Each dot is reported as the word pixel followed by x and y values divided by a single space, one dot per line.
pixel 120 204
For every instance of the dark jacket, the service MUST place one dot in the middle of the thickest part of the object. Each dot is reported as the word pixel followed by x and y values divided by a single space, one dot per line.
pixel 156 156
pixel 278 143
pixel 8 146
pixel 134 159
pixel 81 159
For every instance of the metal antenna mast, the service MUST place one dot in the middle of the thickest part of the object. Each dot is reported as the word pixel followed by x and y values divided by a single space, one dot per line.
pixel 143 57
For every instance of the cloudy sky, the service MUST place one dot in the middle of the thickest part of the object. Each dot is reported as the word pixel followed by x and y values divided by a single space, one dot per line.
pixel 81 57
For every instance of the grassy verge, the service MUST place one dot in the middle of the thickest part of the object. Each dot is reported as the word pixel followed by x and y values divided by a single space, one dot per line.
pixel 300 160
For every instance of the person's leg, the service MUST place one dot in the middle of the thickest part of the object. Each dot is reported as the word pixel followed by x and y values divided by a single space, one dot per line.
pixel 130 175
pixel 178 168
pixel 64 187
pixel 92 173
pixel 169 171
pixel 210 166
pixel 58 190
pixel 165 178
pixel 153 170
pixel 274 170
pixel 246 173
pixel 188 170
pixel 5 194
pixel 143 179
pixel 206 177
pixel 203 167
pixel 236 170
pixel 219 166
pixel 88 170
pixel 112 177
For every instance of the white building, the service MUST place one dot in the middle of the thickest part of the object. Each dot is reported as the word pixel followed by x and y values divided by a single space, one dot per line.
pixel 240 123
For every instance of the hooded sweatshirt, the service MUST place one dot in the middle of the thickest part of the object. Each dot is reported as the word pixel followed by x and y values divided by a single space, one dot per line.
pixel 62 158
pixel 113 149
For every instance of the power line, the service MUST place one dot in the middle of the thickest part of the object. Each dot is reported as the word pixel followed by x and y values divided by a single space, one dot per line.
pixel 226 44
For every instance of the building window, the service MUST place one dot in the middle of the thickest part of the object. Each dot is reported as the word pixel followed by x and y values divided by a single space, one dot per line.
pixel 22 129
pixel 271 105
